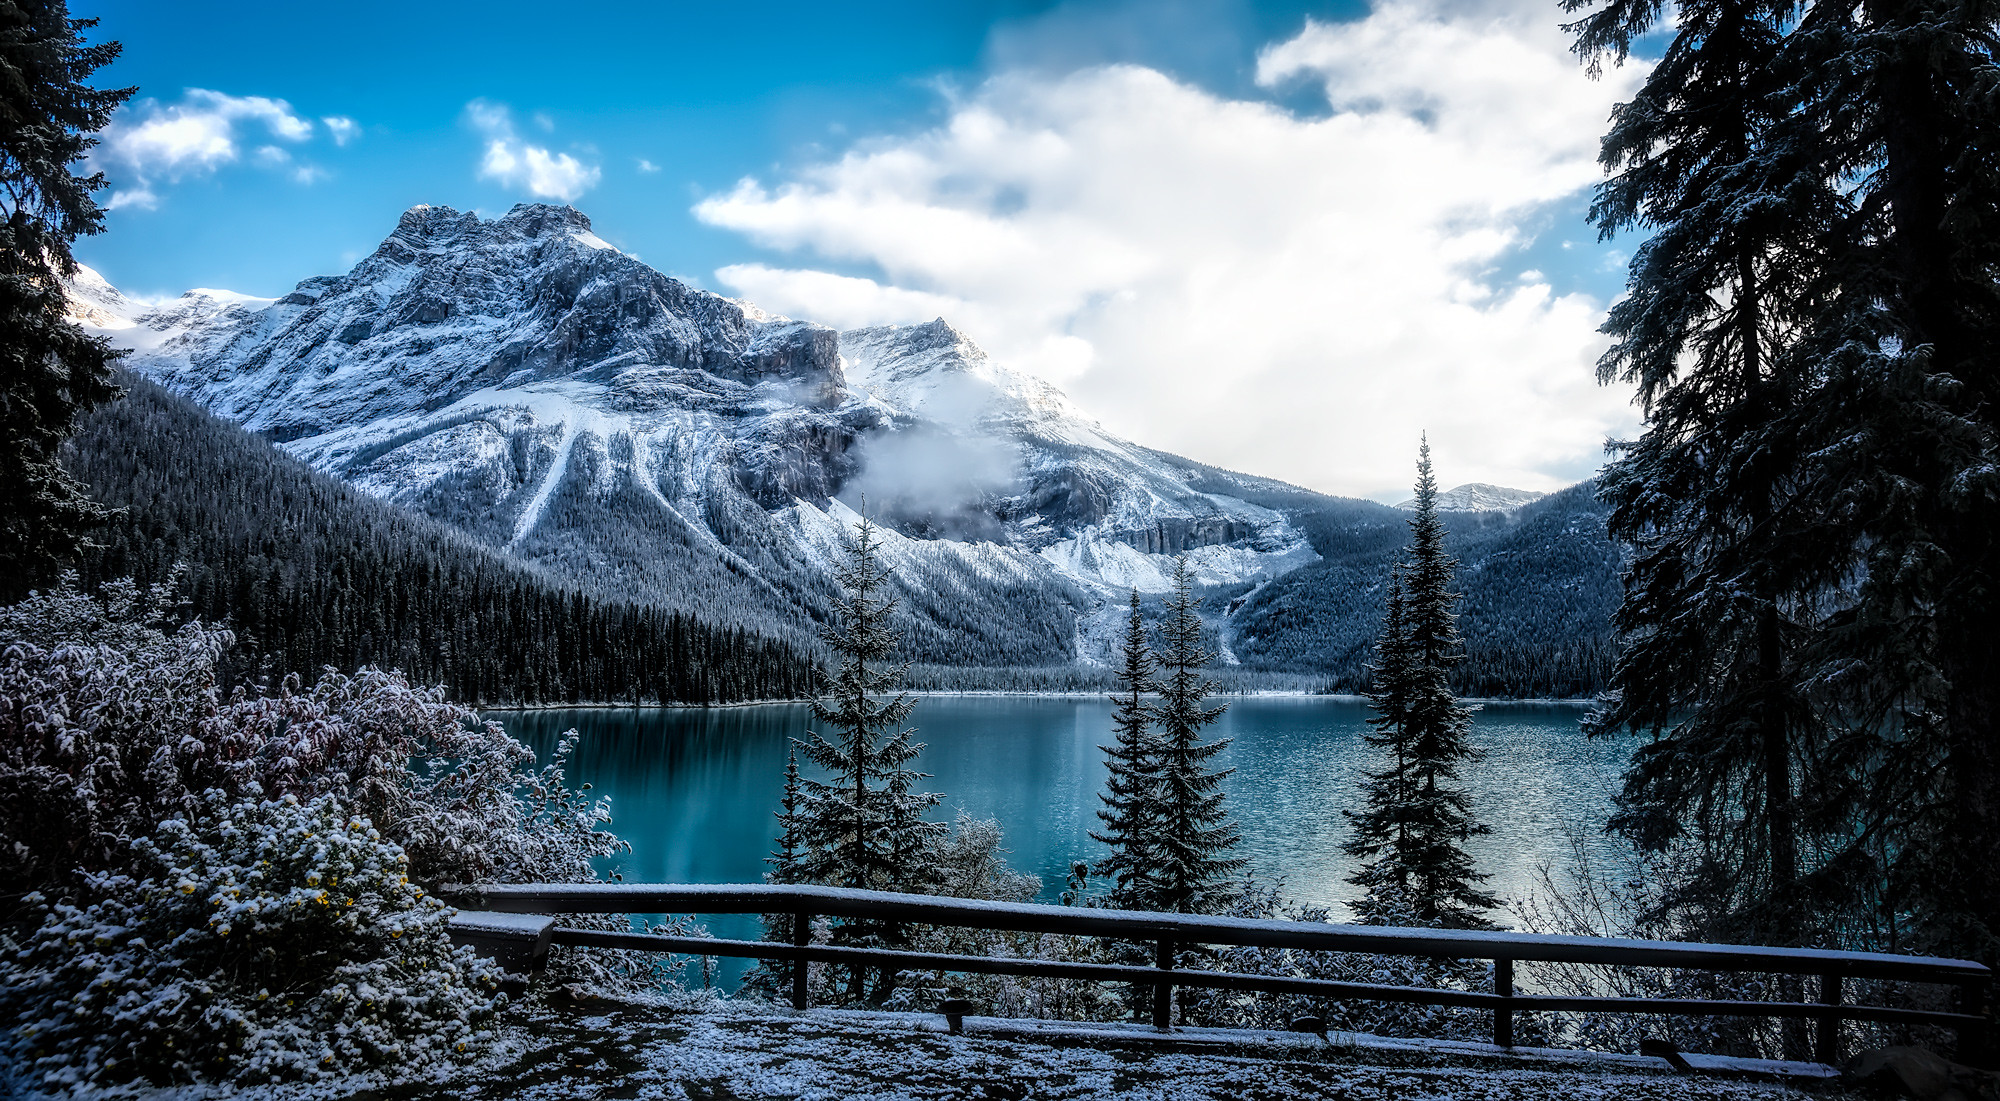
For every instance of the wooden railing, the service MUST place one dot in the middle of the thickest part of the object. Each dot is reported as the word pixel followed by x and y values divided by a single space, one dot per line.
pixel 1166 931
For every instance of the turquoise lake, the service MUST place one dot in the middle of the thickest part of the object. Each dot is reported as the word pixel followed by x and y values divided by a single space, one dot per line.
pixel 694 790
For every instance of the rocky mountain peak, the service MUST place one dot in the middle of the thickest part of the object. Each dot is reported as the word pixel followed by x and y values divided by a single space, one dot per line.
pixel 425 222
pixel 545 219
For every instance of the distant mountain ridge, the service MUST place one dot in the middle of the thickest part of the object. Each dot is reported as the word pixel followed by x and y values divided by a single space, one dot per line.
pixel 563 403
pixel 1479 497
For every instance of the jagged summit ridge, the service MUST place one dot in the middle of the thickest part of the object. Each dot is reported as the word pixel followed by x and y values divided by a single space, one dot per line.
pixel 449 304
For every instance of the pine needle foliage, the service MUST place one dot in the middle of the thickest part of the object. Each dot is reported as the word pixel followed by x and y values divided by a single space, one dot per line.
pixel 1718 597
pixel 1193 868
pixel 1813 328
pixel 1131 796
pixel 1903 94
pixel 1382 827
pixel 1416 818
pixel 863 826
pixel 50 369
pixel 787 858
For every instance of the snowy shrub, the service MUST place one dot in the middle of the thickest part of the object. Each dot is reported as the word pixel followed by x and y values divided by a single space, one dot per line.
pixel 122 725
pixel 1237 1009
pixel 111 723
pixel 95 699
pixel 256 941
pixel 457 793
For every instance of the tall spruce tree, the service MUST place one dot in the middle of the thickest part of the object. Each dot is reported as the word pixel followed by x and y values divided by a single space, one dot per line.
pixel 1840 767
pixel 787 861
pixel 1193 869
pixel 50 369
pixel 1381 828
pixel 1903 92
pixel 1416 819
pixel 863 826
pixel 787 865
pixel 1720 591
pixel 1131 794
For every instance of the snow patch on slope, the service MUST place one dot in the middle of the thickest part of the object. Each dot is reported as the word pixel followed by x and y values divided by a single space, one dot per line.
pixel 1479 497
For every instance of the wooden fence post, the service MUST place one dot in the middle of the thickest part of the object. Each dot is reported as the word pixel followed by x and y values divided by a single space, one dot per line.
pixel 1826 1045
pixel 1163 991
pixel 802 935
pixel 1503 1015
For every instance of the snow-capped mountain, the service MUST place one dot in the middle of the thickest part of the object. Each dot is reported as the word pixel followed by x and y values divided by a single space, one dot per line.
pixel 531 384
pixel 1479 497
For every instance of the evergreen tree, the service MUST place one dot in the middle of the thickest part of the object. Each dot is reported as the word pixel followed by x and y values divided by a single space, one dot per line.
pixel 1909 465
pixel 788 859
pixel 1416 819
pixel 1132 792
pixel 1814 499
pixel 1193 871
pixel 863 827
pixel 1381 828
pixel 1719 597
pixel 50 369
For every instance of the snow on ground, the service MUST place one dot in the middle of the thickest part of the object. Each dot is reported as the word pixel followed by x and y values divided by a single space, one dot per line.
pixel 605 1050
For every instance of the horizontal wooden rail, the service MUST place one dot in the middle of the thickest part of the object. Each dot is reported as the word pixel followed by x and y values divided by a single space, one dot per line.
pixel 1167 930
pixel 1229 980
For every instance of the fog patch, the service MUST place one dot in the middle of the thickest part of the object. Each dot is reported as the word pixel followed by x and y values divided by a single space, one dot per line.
pixel 934 484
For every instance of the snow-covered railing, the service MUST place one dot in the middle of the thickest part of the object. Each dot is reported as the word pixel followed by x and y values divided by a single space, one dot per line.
pixel 1166 931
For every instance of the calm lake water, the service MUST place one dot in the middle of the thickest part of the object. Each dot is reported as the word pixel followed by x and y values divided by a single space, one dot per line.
pixel 694 790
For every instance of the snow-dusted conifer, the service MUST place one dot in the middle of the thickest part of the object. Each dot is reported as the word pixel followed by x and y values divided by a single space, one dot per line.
pixel 1381 828
pixel 787 859
pixel 1193 871
pixel 1901 99
pixel 863 826
pixel 54 369
pixel 1416 819
pixel 1714 498
pixel 1131 796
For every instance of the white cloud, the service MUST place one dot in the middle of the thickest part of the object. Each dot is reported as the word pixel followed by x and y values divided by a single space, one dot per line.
pixel 647 166
pixel 150 143
pixel 1289 295
pixel 842 301
pixel 341 128
pixel 514 163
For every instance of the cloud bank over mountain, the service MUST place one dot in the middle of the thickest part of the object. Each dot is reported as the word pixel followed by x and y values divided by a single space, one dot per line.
pixel 1294 293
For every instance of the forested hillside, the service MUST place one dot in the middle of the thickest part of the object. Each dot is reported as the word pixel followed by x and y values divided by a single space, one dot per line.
pixel 311 572
pixel 1539 584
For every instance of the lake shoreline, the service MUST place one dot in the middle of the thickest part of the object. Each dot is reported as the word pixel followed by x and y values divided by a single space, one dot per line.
pixel 997 693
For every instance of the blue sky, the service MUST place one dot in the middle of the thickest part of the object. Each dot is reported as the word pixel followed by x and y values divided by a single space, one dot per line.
pixel 1178 211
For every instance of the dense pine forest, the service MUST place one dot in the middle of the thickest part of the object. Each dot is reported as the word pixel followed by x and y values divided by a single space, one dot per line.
pixel 310 572
pixel 1539 591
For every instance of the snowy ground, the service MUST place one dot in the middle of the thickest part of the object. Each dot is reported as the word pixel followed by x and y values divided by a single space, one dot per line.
pixel 613 1050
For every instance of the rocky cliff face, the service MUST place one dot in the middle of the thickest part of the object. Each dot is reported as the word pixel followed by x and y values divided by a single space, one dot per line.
pixel 526 381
